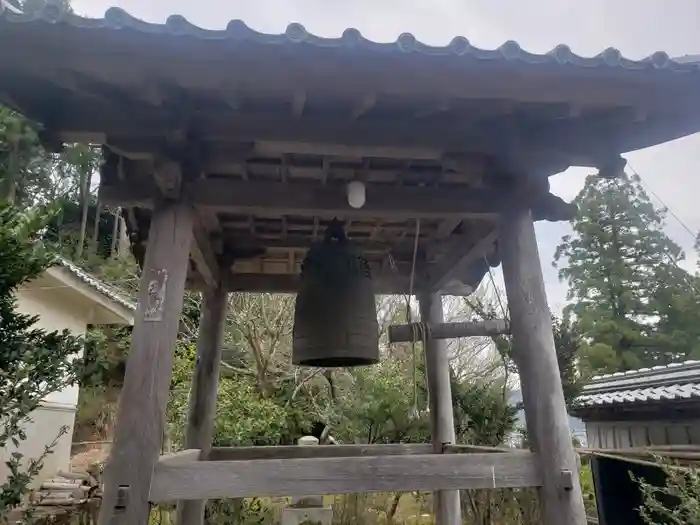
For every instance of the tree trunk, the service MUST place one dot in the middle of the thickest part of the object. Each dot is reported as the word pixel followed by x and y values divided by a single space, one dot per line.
pixel 85 179
pixel 115 234
pixel 96 228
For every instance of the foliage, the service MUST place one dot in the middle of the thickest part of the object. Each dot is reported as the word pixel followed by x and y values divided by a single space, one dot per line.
pixel 621 273
pixel 676 503
pixel 588 488
pixel 380 406
pixel 33 363
pixel 568 342
pixel 483 415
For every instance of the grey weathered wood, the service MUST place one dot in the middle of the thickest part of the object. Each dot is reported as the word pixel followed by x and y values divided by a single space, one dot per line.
pixel 144 396
pixel 442 426
pixel 202 408
pixel 405 333
pixel 301 477
pixel 203 254
pixel 535 355
pixel 168 176
pixel 386 283
pixel 323 451
pixel 459 258
pixel 480 449
pixel 266 197
pixel 182 456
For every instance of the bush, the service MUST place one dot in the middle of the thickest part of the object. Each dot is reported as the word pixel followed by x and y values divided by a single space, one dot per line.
pixel 33 362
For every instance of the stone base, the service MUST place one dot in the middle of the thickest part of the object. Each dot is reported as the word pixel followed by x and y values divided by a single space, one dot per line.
pixel 307 516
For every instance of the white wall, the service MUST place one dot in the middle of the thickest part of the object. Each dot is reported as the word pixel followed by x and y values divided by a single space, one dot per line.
pixel 56 311
pixel 59 307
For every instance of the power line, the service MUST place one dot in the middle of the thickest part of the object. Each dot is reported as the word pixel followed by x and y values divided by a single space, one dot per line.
pixel 686 275
pixel 666 206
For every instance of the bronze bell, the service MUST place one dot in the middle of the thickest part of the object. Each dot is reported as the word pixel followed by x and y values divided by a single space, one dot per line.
pixel 335 319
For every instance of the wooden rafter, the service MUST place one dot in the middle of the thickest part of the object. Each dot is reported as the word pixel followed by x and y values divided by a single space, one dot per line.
pixel 316 200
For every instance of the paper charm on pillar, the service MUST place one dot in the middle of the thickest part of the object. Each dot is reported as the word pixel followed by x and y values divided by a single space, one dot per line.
pixel 335 319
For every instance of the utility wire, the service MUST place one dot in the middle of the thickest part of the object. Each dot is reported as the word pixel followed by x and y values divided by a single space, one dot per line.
pixel 670 211
pixel 686 275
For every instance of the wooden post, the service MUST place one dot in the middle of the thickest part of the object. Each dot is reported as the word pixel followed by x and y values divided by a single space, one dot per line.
pixel 447 507
pixel 535 355
pixel 144 396
pixel 202 409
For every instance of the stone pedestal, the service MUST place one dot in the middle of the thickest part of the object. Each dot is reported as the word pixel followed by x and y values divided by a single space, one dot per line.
pixel 307 510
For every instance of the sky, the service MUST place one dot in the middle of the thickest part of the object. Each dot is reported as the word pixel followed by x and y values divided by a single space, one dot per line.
pixel 636 27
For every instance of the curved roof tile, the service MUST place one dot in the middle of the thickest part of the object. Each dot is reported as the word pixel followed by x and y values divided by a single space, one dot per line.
pixel 176 25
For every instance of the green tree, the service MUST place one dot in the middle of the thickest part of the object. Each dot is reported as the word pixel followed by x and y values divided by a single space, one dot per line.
pixel 33 362
pixel 620 268
pixel 568 343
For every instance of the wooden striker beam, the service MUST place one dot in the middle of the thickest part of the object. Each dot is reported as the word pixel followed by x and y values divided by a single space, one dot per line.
pixel 144 396
pixel 535 355
pixel 442 426
pixel 311 476
pixel 408 333
pixel 202 408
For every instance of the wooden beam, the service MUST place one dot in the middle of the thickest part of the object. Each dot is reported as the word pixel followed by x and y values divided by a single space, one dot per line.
pixel 307 477
pixel 181 457
pixel 168 176
pixel 406 333
pixel 303 242
pixel 206 262
pixel 442 425
pixel 326 201
pixel 386 284
pixel 205 385
pixel 447 227
pixel 322 451
pixel 455 262
pixel 367 102
pixel 298 103
pixel 501 140
pixel 535 355
pixel 144 397
pixel 269 147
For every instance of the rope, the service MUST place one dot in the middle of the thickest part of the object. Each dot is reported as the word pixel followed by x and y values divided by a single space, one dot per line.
pixel 409 317
pixel 504 312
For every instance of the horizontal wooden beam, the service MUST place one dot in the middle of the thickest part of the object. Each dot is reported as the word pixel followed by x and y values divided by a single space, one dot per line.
pixel 324 451
pixel 264 147
pixel 181 457
pixel 387 284
pixel 459 136
pixel 255 197
pixel 409 333
pixel 311 476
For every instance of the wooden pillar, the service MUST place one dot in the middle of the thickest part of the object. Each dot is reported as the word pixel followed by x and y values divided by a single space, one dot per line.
pixel 446 502
pixel 535 355
pixel 205 385
pixel 144 396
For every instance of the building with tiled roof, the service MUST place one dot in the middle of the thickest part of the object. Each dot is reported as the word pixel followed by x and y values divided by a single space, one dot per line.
pixel 64 297
pixel 628 411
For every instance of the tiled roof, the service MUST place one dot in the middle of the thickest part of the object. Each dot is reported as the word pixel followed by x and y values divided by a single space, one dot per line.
pixel 675 381
pixel 237 31
pixel 96 284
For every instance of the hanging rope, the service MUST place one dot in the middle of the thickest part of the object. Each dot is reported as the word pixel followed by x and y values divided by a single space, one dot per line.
pixel 409 317
pixel 506 318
